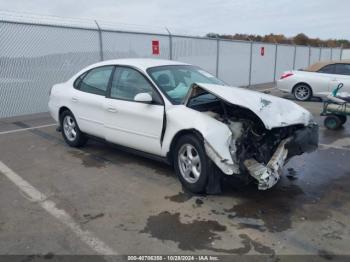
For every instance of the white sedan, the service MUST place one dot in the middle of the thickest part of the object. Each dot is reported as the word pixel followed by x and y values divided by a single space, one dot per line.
pixel 184 115
pixel 317 80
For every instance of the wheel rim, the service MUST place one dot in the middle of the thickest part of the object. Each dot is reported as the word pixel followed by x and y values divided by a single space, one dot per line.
pixel 302 92
pixel 70 128
pixel 189 163
pixel 331 123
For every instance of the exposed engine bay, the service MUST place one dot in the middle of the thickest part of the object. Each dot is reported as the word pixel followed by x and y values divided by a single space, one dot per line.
pixel 254 149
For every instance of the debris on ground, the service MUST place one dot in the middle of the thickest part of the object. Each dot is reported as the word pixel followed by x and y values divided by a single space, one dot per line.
pixel 292 174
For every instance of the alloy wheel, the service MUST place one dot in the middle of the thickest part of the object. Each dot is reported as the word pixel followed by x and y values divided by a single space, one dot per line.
pixel 69 128
pixel 302 92
pixel 189 163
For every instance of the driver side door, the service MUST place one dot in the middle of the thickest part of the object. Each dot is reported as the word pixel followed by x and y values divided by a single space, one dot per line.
pixel 129 123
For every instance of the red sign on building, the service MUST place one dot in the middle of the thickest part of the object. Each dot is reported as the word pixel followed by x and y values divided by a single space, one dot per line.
pixel 155 47
pixel 262 51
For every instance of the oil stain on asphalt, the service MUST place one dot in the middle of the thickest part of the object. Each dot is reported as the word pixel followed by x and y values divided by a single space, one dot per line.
pixel 181 197
pixel 163 225
pixel 312 197
pixel 89 160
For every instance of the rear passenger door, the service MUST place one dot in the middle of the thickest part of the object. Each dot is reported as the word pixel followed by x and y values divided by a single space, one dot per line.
pixel 88 99
pixel 343 76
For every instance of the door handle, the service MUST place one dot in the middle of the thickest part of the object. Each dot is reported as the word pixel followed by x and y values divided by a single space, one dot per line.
pixel 112 109
pixel 74 99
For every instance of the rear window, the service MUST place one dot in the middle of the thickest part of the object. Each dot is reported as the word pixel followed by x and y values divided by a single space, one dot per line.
pixel 342 69
pixel 328 69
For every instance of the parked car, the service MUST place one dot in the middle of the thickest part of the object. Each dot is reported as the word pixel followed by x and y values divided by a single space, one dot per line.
pixel 318 79
pixel 185 116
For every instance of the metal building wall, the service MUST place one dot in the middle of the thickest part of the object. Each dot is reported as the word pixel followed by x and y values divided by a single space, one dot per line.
pixel 234 62
pixel 336 52
pixel 326 54
pixel 197 51
pixel 128 45
pixel 35 57
pixel 285 59
pixel 345 54
pixel 263 66
pixel 314 55
pixel 301 57
pixel 38 52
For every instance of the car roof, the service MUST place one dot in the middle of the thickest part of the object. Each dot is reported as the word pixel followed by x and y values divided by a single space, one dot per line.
pixel 140 63
pixel 317 66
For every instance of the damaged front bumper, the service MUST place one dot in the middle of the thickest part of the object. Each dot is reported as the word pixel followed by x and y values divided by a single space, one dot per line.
pixel 303 140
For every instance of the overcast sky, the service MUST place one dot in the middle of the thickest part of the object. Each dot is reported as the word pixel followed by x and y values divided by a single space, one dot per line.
pixel 316 18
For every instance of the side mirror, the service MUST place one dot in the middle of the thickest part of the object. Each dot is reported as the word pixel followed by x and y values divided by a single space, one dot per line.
pixel 143 97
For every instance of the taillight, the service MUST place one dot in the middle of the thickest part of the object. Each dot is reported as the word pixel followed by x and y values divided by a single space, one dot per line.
pixel 285 75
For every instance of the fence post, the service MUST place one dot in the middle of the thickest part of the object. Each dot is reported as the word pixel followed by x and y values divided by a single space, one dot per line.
pixel 217 56
pixel 250 63
pixel 100 40
pixel 309 61
pixel 170 44
pixel 331 53
pixel 341 52
pixel 275 67
pixel 320 55
pixel 295 54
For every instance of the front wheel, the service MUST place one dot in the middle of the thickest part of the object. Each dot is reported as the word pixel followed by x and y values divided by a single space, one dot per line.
pixel 70 130
pixel 302 92
pixel 191 163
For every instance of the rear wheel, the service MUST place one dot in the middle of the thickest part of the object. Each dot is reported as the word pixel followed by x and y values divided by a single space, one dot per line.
pixel 70 130
pixel 191 163
pixel 302 92
pixel 332 122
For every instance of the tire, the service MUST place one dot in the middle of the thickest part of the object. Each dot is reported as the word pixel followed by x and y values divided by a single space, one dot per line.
pixel 342 119
pixel 70 127
pixel 302 92
pixel 192 164
pixel 332 122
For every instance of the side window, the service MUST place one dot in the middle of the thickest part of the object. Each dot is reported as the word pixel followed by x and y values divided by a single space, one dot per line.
pixel 342 69
pixel 96 80
pixel 128 82
pixel 165 79
pixel 328 69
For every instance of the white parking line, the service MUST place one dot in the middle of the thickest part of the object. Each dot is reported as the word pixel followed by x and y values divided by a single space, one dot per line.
pixel 25 129
pixel 334 147
pixel 36 196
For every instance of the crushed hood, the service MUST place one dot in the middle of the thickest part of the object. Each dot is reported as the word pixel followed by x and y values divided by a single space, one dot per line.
pixel 273 111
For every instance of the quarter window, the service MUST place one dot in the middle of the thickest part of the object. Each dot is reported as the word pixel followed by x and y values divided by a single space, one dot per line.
pixel 96 80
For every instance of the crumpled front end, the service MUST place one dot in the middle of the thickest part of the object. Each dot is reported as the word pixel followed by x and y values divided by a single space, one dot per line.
pixel 258 133
pixel 303 140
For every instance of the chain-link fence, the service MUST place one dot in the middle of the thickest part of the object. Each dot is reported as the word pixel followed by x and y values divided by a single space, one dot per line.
pixel 37 52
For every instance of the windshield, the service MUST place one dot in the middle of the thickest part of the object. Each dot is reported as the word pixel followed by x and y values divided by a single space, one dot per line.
pixel 175 81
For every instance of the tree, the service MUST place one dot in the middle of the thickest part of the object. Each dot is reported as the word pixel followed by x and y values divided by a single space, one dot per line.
pixel 299 39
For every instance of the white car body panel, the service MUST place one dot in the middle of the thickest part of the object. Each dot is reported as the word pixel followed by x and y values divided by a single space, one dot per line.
pixel 321 84
pixel 215 133
pixel 135 125
pixel 140 125
pixel 285 112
